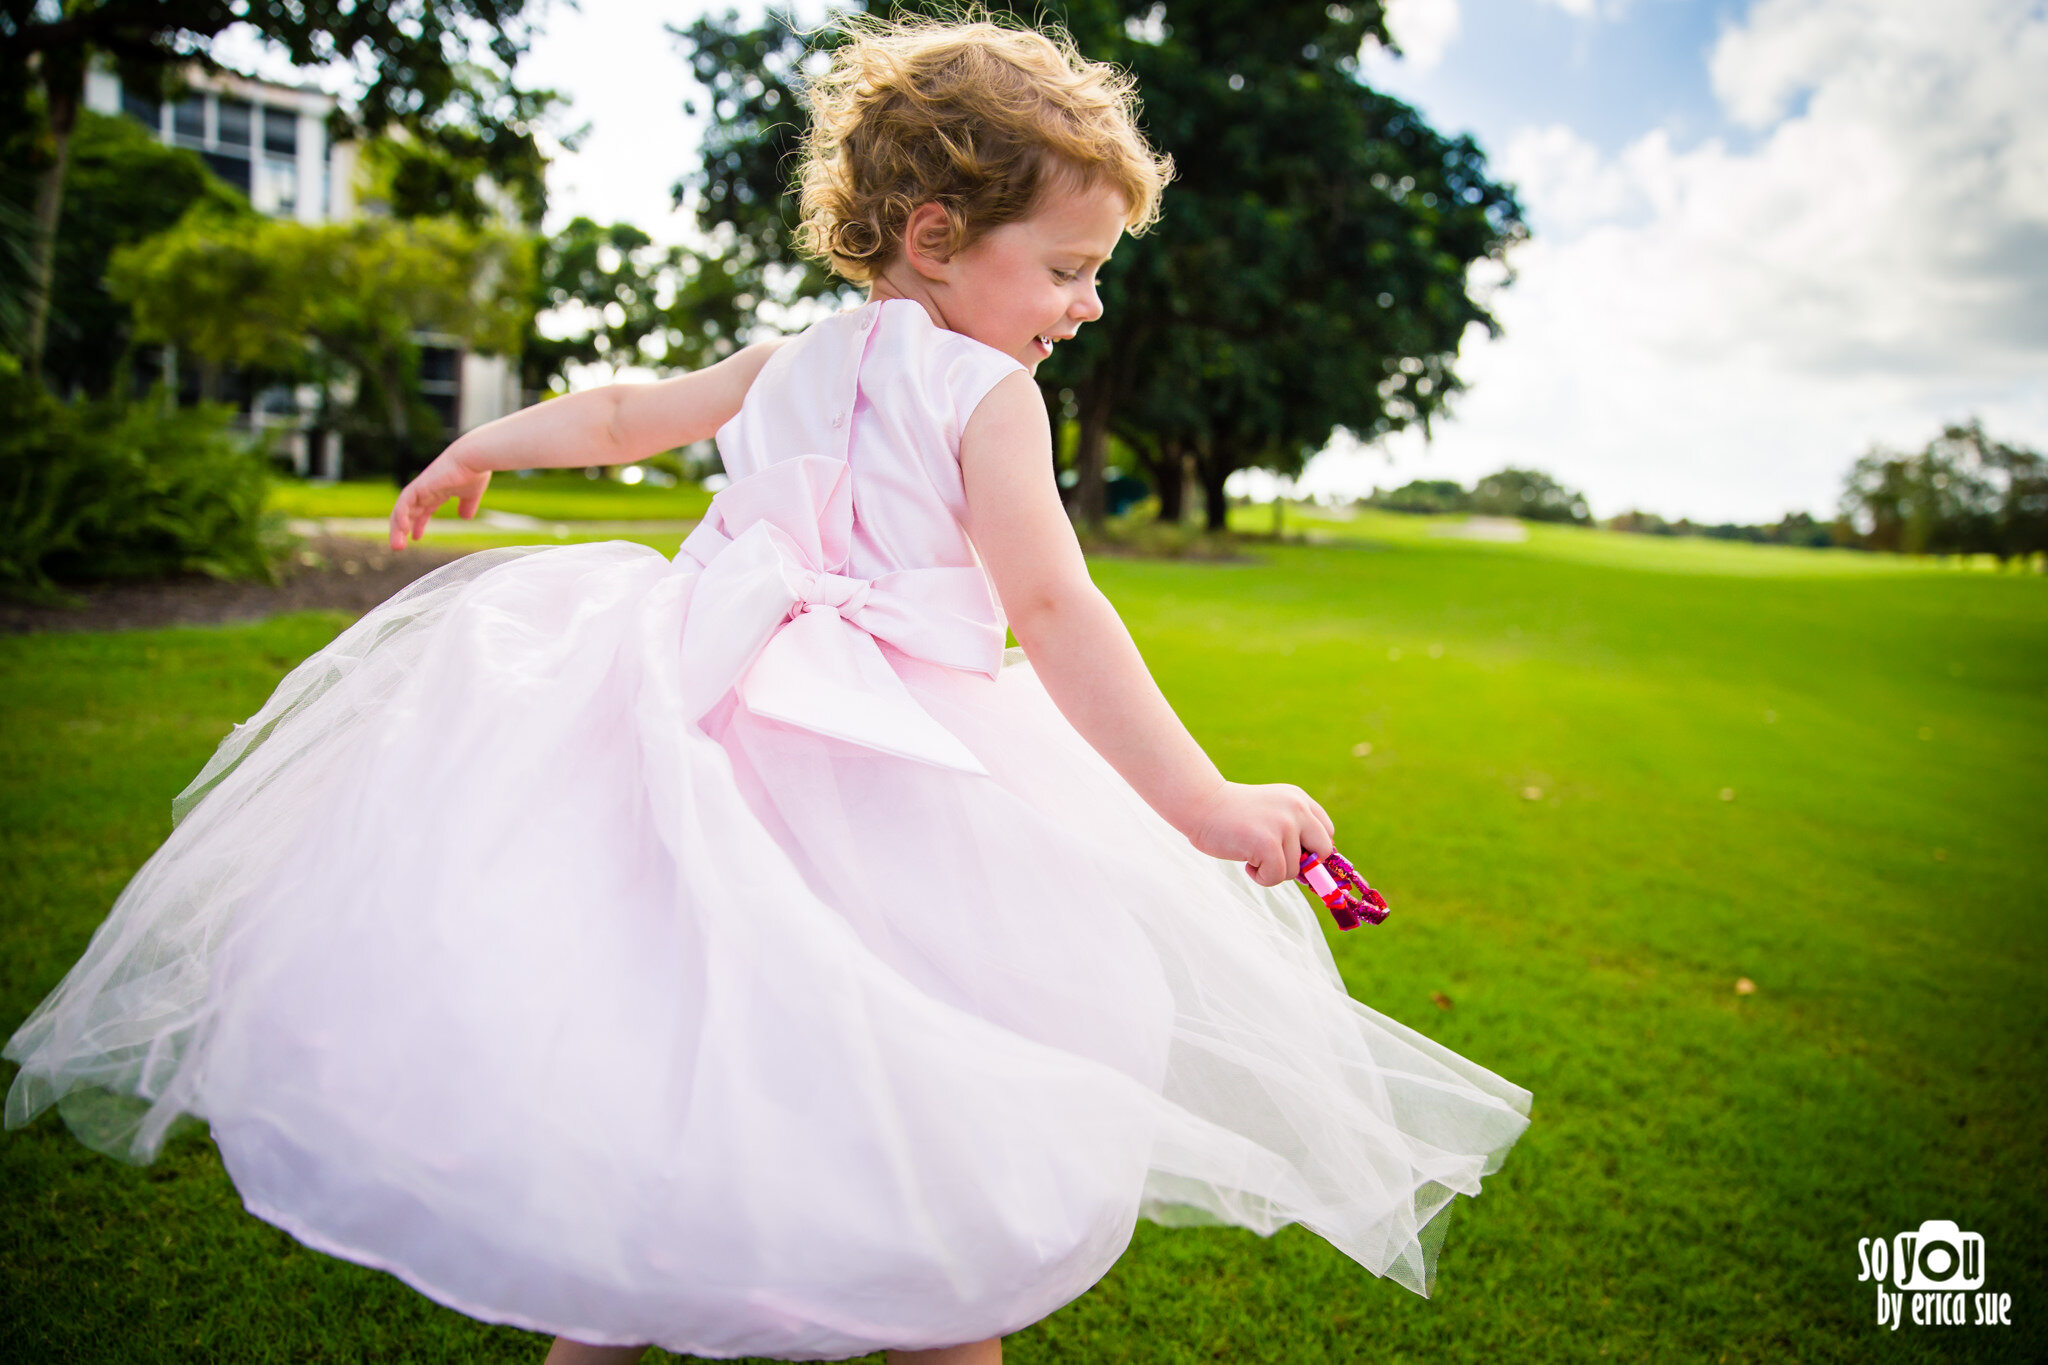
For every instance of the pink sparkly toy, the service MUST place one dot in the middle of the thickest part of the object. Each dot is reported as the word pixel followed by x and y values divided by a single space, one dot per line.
pixel 1346 894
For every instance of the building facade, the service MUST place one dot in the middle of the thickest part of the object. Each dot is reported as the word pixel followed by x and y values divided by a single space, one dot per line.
pixel 270 142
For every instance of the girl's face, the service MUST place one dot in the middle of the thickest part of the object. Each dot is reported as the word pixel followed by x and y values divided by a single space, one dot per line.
pixel 1026 286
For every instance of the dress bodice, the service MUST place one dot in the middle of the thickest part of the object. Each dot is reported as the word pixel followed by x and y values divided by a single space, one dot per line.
pixel 885 390
pixel 841 534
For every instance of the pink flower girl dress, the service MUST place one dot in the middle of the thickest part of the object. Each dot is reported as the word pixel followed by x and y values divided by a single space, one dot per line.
pixel 740 952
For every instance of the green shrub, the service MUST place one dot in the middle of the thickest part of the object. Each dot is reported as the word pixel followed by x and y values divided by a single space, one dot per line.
pixel 1137 530
pixel 99 490
pixel 1424 496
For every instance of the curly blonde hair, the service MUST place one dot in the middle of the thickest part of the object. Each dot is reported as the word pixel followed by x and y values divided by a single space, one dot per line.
pixel 977 117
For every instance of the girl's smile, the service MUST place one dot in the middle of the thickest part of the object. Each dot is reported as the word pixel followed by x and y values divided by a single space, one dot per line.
pixel 1023 287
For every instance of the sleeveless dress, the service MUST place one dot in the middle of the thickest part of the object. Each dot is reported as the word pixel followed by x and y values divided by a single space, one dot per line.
pixel 739 952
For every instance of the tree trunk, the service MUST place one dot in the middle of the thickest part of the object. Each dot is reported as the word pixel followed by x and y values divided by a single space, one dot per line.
pixel 1166 469
pixel 403 468
pixel 1214 471
pixel 1097 399
pixel 1055 415
pixel 1090 504
pixel 64 90
pixel 1169 477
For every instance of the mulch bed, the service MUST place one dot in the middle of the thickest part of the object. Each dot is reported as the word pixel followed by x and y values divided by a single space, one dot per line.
pixel 350 574
pixel 344 574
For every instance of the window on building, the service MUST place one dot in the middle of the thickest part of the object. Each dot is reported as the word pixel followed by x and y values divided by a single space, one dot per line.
pixel 188 120
pixel 150 366
pixel 279 402
pixel 280 131
pixel 443 405
pixel 234 122
pixel 232 168
pixel 145 109
pixel 437 364
pixel 440 385
pixel 282 177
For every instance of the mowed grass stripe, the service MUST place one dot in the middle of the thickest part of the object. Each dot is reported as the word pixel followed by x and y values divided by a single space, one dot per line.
pixel 1701 1163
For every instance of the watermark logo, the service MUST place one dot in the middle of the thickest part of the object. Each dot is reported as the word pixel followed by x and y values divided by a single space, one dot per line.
pixel 1942 1268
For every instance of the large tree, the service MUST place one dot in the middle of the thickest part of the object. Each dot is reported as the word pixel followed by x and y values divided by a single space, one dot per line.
pixel 422 58
pixel 124 186
pixel 1963 493
pixel 1311 270
pixel 336 303
pixel 477 159
pixel 614 295
pixel 1529 493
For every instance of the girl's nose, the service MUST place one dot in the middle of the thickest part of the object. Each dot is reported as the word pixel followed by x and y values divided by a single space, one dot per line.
pixel 1089 308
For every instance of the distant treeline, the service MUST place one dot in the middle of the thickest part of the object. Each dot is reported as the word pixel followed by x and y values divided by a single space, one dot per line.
pixel 1526 493
pixel 1794 528
pixel 1963 493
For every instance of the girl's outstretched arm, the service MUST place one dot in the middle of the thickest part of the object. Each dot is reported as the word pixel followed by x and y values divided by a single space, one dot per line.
pixel 1085 657
pixel 616 424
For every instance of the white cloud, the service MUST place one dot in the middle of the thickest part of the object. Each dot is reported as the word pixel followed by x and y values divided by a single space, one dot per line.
pixel 1717 331
pixel 1591 9
pixel 1423 29
pixel 625 77
pixel 1575 186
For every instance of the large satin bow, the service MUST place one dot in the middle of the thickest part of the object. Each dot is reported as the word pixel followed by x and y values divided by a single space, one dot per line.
pixel 772 616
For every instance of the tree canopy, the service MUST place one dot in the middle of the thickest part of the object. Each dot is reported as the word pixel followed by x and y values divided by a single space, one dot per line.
pixel 623 299
pixel 1529 493
pixel 440 69
pixel 335 302
pixel 1425 496
pixel 1962 493
pixel 124 186
pixel 477 159
pixel 415 51
pixel 1310 271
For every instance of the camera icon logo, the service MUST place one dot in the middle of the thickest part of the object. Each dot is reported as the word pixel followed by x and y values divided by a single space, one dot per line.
pixel 1940 1256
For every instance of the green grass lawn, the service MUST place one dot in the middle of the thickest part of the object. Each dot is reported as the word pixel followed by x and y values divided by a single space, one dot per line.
pixel 1607 779
pixel 546 494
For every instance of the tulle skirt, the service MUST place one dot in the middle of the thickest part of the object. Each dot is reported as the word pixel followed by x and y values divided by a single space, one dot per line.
pixel 486 970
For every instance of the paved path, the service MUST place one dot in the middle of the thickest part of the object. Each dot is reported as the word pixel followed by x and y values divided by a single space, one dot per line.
pixel 1481 528
pixel 489 524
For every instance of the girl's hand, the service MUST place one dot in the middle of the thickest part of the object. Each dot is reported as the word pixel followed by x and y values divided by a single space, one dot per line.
pixel 1267 826
pixel 447 477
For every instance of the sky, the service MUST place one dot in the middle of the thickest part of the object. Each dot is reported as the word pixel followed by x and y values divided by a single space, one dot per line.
pixel 1765 234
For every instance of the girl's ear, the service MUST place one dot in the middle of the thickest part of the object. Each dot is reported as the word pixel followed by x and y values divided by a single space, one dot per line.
pixel 928 241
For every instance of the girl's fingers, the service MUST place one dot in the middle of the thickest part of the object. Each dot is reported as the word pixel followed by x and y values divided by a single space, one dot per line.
pixel 1275 864
pixel 1261 865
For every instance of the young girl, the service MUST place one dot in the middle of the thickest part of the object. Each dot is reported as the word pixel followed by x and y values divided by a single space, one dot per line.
pixel 744 952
